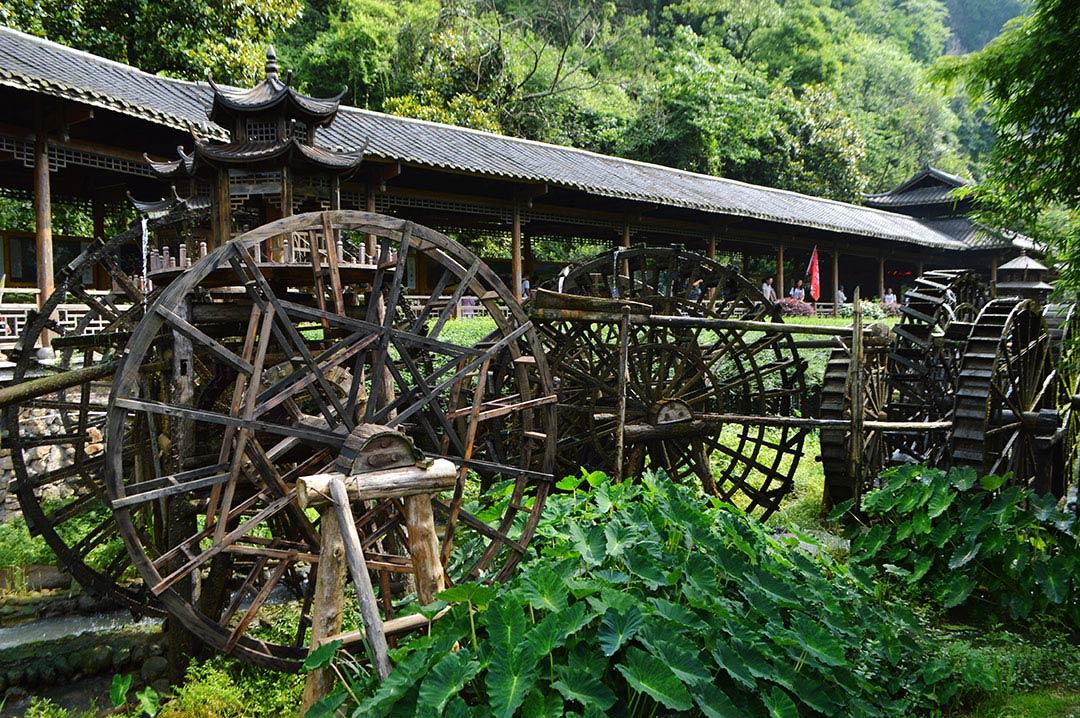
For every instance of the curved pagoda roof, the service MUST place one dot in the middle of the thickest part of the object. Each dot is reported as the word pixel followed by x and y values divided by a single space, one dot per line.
pixel 271 96
pixel 258 155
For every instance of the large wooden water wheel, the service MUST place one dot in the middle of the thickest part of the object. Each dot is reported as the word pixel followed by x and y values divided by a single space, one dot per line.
pixel 56 436
pixel 935 320
pixel 681 398
pixel 305 359
pixel 1006 417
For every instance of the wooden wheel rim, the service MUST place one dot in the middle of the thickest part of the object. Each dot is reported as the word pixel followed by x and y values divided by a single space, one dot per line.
pixel 494 553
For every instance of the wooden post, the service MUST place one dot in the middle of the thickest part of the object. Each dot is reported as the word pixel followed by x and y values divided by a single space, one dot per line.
pixel 780 271
pixel 856 382
pixel 835 280
pixel 221 229
pixel 743 263
pixel 515 250
pixel 423 544
pixel 371 249
pixel 623 378
pixel 624 240
pixel 328 604
pixel 881 278
pixel 710 252
pixel 993 274
pixel 43 218
pixel 919 268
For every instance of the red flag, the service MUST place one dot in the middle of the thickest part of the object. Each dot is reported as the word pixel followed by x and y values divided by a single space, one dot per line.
pixel 815 276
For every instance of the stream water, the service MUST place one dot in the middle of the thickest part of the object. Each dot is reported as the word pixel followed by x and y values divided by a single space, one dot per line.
pixel 64 627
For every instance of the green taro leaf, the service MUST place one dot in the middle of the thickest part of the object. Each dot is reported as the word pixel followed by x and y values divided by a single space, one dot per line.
pixel 149 701
pixel 963 478
pixel 921 567
pixel 544 588
pixel 651 676
pixel 508 680
pixel 726 657
pixel 818 642
pixel 779 704
pixel 505 621
pixel 1053 577
pixel 683 662
pixel 618 537
pixel 714 703
pixel 328 706
pixel 589 544
pixel 618 627
pixel 543 704
pixel 840 510
pixel 569 483
pixel 118 689
pixel 992 482
pixel 583 687
pixel 321 656
pixel 956 590
pixel 964 554
pixel 553 631
pixel 400 681
pixel 445 680
pixel 941 500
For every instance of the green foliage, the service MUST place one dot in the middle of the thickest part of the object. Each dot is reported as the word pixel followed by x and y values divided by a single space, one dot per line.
pixel 182 38
pixel 984 545
pixel 646 597
pixel 18 548
pixel 226 688
pixel 118 689
pixel 1026 78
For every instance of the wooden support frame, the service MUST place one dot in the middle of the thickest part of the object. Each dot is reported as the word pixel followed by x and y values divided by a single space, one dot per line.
pixel 515 250
pixel 780 270
pixel 43 239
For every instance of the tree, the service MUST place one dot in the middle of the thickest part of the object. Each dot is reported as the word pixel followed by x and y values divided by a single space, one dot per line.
pixel 1026 78
pixel 180 38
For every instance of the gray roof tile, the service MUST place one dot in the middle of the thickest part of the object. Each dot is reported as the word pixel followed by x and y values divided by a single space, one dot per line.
pixel 38 65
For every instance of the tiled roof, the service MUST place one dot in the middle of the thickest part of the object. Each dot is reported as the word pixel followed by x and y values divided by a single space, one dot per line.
pixel 977 236
pixel 38 65
pixel 912 197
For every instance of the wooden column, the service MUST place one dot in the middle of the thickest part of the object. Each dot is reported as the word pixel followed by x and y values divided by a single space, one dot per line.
pixel 993 273
pixel 710 252
pixel 835 280
pixel 881 278
pixel 371 249
pixel 329 601
pixel 780 271
pixel 221 229
pixel 515 250
pixel 43 219
pixel 919 268
pixel 625 239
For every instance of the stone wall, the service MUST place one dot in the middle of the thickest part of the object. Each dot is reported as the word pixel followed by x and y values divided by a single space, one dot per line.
pixel 40 423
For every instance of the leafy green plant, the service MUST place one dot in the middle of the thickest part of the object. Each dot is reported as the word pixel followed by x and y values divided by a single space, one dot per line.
pixel 119 688
pixel 972 543
pixel 648 599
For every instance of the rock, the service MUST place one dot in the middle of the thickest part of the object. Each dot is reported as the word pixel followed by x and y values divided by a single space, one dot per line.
pixel 38 427
pixel 153 668
pixel 40 578
pixel 6 462
pixel 41 452
pixel 98 660
pixel 94 449
pixel 161 685
pixel 93 435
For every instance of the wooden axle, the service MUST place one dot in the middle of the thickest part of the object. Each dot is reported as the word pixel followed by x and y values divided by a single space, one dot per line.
pixel 663 320
pixel 41 386
pixel 704 422
pixel 440 475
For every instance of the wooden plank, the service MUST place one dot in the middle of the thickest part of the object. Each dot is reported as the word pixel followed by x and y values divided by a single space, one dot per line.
pixel 197 335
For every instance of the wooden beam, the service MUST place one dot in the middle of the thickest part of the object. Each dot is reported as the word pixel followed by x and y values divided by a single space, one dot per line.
pixel 515 250
pixel 43 240
pixel 780 270
pixel 881 278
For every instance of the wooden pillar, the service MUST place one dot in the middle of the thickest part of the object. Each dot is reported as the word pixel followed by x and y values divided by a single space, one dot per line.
pixel 43 219
pixel 329 600
pixel 710 252
pixel 371 208
pixel 222 221
pixel 881 278
pixel 993 274
pixel 835 280
pixel 625 239
pixel 919 268
pixel 527 251
pixel 515 250
pixel 780 271
pixel 100 278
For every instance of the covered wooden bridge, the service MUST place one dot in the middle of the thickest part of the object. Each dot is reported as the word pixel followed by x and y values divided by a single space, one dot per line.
pixel 74 127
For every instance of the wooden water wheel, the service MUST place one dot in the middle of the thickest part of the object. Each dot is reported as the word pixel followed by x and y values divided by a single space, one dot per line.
pixel 59 469
pixel 1005 416
pixel 936 317
pixel 842 481
pixel 308 357
pixel 663 411
pixel 1063 321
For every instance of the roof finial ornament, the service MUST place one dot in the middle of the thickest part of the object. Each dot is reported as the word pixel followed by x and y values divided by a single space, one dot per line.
pixel 271 63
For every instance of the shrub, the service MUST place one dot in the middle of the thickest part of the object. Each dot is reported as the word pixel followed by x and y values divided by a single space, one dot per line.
pixel 791 306
pixel 650 600
pixel 972 543
pixel 871 310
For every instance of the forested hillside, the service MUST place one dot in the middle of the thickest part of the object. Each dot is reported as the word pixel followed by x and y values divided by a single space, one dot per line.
pixel 827 97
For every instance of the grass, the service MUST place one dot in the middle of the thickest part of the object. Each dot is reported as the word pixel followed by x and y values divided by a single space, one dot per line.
pixel 1047 703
